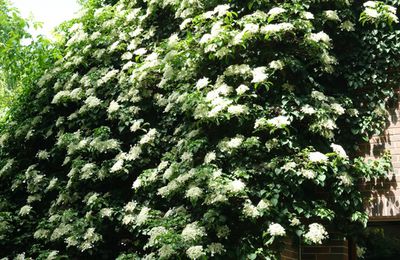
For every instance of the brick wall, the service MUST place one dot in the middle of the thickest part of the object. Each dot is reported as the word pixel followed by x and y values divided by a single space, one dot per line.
pixel 331 250
pixel 291 251
pixel 384 194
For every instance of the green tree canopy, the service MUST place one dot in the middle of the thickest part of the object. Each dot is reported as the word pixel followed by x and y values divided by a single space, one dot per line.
pixel 22 58
pixel 198 129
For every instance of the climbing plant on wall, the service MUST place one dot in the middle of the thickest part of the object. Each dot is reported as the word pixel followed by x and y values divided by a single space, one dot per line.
pixel 198 129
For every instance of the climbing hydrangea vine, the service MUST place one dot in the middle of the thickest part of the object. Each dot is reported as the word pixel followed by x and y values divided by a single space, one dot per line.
pixel 198 129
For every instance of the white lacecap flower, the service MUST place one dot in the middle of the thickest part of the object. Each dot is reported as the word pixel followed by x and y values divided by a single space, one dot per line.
pixel 195 252
pixel 275 28
pixel 137 184
pixel 53 255
pixel 249 210
pixel 328 124
pixel 173 40
pixel 372 13
pixel 92 199
pixel 148 137
pixel 260 122
pixel 391 9
pixel 276 11
pixel 307 109
pixel 347 26
pixel 114 46
pixel 118 165
pixel 211 156
pixel 234 142
pixel 338 149
pixel 263 205
pixel 307 15
pixel 242 89
pixel 308 174
pixel 92 101
pixel 216 249
pixel 166 251
pixel 236 186
pixel 143 216
pixel 338 109
pixel 371 4
pixel 205 38
pixel 332 15
pixel 134 153
pixel 136 125
pixel 43 155
pixel 216 174
pixel 128 219
pixel 25 210
pixel 127 56
pixel 130 206
pixel 186 156
pixel 251 28
pixel 106 212
pixel 192 232
pixel 276 64
pixel 259 75
pixel 185 23
pixel 202 83
pixel 221 10
pixel 194 193
pixel 237 109
pixel 155 233
pixel 276 229
pixel 320 37
pixel 113 107
pixel 162 165
pixel 279 121
pixel 295 222
pixel 318 95
pixel 140 52
pixel 289 166
pixel 317 157
pixel 316 233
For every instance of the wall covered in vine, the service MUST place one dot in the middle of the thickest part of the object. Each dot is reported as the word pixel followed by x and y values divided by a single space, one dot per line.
pixel 198 129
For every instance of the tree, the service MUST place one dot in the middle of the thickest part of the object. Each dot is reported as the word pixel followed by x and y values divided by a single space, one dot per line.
pixel 22 59
pixel 198 129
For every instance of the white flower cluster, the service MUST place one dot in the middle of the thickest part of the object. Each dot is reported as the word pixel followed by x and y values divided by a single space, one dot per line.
pixel 276 230
pixel 339 151
pixel 320 37
pixel 194 193
pixel 259 75
pixel 236 186
pixel 316 233
pixel 317 157
pixel 278 122
pixel 276 28
pixel 375 9
pixel 345 179
pixel 192 232
pixel 195 252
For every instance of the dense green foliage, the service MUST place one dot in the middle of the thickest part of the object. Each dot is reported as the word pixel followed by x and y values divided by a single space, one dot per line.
pixel 198 129
pixel 23 59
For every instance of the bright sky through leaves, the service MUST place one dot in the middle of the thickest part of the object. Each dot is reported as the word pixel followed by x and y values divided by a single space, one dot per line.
pixel 50 12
